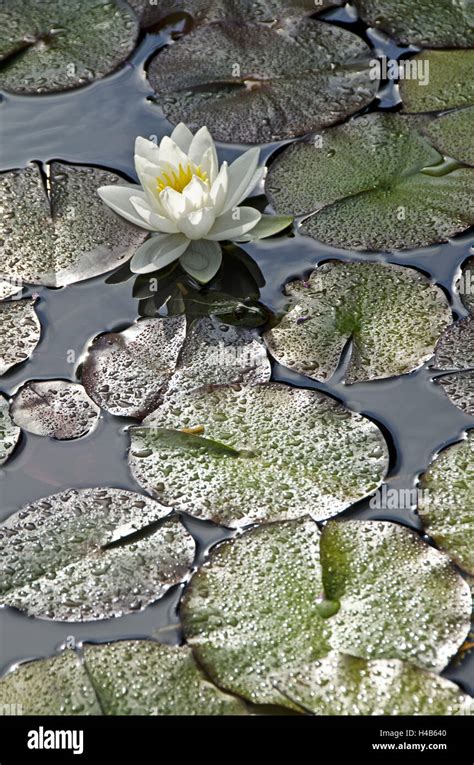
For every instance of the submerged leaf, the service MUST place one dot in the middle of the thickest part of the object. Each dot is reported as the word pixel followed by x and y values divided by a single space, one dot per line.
pixel 20 332
pixel 140 677
pixel 364 186
pixel 447 503
pixel 392 316
pixel 52 45
pixel 61 233
pixel 55 408
pixel 450 82
pixel 59 685
pixel 129 373
pixel 253 610
pixel 425 23
pixel 91 554
pixel 292 452
pixel 252 84
pixel 340 684
pixel 455 353
pixel 9 432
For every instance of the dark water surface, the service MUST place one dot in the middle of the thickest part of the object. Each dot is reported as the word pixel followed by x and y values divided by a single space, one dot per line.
pixel 98 125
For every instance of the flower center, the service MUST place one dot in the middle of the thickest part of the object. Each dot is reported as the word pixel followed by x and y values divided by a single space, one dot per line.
pixel 179 179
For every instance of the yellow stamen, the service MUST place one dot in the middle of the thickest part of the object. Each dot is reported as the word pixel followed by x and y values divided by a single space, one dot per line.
pixel 179 180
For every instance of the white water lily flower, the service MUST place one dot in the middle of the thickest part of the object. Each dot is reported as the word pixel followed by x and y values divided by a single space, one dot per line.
pixel 189 203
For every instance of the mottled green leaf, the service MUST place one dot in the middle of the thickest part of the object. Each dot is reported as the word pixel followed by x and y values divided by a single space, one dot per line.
pixel 253 83
pixel 450 82
pixel 90 554
pixel 364 186
pixel 392 316
pixel 447 503
pixel 9 432
pixel 55 686
pixel 455 353
pixel 343 685
pixel 61 232
pixel 257 608
pixel 55 408
pixel 293 452
pixel 453 134
pixel 140 677
pixel 130 372
pixel 51 45
pixel 425 23
pixel 19 332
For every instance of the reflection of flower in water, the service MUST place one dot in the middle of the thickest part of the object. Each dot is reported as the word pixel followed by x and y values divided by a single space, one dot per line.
pixel 188 202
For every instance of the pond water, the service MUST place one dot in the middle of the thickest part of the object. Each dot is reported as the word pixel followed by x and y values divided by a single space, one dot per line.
pixel 97 125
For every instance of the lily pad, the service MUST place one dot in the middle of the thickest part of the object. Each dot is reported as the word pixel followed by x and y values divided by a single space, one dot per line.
pixel 379 687
pixel 246 454
pixel 89 554
pixel 370 184
pixel 282 596
pixel 20 332
pixel 204 11
pixel 466 284
pixel 392 316
pixel 455 353
pixel 61 232
pixel 130 372
pixel 9 432
pixel 426 23
pixel 450 81
pixel 55 408
pixel 157 680
pixel 251 83
pixel 59 685
pixel 446 507
pixel 51 45
pixel 452 134
pixel 9 288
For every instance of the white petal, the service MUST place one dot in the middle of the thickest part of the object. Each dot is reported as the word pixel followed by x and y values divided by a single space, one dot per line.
pixel 171 153
pixel 159 222
pixel 202 260
pixel 219 189
pixel 198 223
pixel 234 223
pixel 182 137
pixel 197 193
pixel 146 149
pixel 175 205
pixel 241 173
pixel 157 252
pixel 203 150
pixel 118 199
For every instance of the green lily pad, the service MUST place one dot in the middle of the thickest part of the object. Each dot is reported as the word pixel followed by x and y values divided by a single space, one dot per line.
pixel 257 608
pixel 56 686
pixel 128 677
pixel 62 232
pixel 455 353
pixel 130 372
pixel 205 11
pixel 89 554
pixel 380 687
pixel 466 284
pixel 158 680
pixel 392 316
pixel 365 186
pixel 446 507
pixel 425 23
pixel 450 82
pixel 452 134
pixel 251 83
pixel 20 332
pixel 8 288
pixel 55 408
pixel 51 45
pixel 257 453
pixel 9 432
